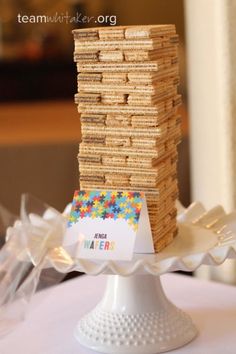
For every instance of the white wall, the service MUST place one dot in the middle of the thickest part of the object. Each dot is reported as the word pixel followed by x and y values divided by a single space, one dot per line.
pixel 211 53
pixel 210 28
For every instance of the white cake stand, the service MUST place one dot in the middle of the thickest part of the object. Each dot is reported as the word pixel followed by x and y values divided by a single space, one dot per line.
pixel 134 315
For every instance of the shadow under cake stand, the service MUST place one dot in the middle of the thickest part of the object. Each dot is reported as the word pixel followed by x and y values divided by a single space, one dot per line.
pixel 134 315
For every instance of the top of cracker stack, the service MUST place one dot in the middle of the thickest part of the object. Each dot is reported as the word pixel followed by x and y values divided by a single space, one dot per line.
pixel 123 32
pixel 145 49
pixel 124 38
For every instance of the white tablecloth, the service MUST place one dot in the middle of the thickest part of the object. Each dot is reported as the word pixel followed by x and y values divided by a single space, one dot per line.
pixel 54 313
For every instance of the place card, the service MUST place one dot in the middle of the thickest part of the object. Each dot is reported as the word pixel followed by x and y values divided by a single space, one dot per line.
pixel 109 225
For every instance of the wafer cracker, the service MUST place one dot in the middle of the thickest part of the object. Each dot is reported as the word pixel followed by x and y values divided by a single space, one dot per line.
pixel 165 240
pixel 89 34
pixel 158 234
pixel 113 160
pixel 116 44
pixel 123 109
pixel 164 217
pixel 116 55
pixel 95 56
pixel 118 141
pixel 150 121
pixel 150 31
pixel 135 78
pixel 83 97
pixel 156 216
pixel 162 228
pixel 127 88
pixel 148 55
pixel 154 174
pixel 123 37
pixel 145 31
pixel 140 100
pixel 123 128
pixel 113 98
pixel 96 119
pixel 91 77
pixel 138 142
pixel 132 163
pixel 118 120
pixel 114 77
pixel 158 152
pixel 121 67
pixel 90 159
pixel 147 180
pixel 135 161
pixel 112 179
pixel 153 76
pixel 91 56
pixel 156 109
pixel 106 33
pixel 159 217
pixel 98 178
pixel 98 140
pixel 127 131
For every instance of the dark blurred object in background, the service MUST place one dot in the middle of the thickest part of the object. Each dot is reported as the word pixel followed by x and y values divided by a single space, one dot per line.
pixel 36 80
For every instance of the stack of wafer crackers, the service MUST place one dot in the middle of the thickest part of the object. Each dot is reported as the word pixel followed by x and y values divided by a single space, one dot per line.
pixel 127 98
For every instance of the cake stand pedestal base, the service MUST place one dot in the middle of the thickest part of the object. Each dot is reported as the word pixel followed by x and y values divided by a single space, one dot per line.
pixel 135 317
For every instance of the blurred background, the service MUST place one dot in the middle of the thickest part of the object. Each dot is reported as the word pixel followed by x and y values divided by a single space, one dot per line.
pixel 39 123
pixel 40 128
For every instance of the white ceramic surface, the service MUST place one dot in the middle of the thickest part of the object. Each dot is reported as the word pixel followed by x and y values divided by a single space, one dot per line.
pixel 135 317
pixel 204 237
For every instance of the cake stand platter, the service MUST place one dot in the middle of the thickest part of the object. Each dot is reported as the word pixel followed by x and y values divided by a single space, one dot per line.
pixel 134 316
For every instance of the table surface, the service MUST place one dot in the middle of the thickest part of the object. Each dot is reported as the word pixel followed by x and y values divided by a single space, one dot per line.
pixel 54 313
